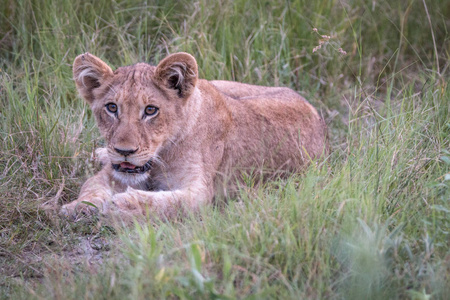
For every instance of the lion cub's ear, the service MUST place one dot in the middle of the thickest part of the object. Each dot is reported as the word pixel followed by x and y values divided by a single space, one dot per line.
pixel 89 72
pixel 178 73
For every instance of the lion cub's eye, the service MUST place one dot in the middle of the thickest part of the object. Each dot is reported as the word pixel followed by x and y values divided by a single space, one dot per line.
pixel 111 107
pixel 151 110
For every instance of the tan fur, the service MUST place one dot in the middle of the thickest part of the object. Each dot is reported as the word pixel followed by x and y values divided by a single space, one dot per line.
pixel 204 136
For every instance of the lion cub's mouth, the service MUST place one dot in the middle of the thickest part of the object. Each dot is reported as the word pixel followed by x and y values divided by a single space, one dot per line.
pixel 129 168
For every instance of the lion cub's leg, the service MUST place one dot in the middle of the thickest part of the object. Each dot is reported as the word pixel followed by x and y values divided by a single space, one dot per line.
pixel 95 192
pixel 165 203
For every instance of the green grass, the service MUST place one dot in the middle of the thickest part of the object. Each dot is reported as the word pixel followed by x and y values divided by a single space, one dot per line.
pixel 372 221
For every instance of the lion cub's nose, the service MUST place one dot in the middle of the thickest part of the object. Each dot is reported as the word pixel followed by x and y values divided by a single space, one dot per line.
pixel 126 152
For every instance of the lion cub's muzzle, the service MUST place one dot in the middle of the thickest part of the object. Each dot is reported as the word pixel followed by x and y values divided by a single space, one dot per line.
pixel 129 168
pixel 126 163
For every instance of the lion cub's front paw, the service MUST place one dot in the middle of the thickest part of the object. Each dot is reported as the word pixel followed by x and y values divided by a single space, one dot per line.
pixel 83 207
pixel 126 202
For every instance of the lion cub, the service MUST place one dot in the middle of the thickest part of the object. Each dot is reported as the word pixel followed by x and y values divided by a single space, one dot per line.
pixel 174 140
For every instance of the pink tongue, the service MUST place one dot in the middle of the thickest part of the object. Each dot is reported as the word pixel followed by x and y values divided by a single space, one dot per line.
pixel 127 165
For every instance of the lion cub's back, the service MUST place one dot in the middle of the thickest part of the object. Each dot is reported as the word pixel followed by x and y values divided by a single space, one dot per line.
pixel 279 103
pixel 273 126
pixel 244 91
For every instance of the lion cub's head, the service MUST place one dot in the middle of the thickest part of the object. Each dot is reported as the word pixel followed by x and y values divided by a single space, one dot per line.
pixel 140 109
